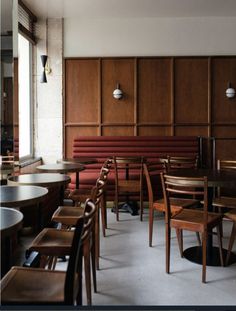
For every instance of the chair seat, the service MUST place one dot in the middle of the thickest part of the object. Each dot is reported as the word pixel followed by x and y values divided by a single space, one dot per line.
pixel 177 204
pixel 37 286
pixel 53 242
pixel 80 195
pixel 225 202
pixel 188 219
pixel 231 215
pixel 67 215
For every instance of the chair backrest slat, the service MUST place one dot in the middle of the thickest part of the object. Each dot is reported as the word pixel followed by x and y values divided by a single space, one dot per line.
pixel 73 281
pixel 181 162
pixel 194 186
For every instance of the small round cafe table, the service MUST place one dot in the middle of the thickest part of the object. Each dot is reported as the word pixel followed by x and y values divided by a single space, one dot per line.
pixel 80 160
pixel 20 196
pixel 10 224
pixel 63 168
pixel 49 180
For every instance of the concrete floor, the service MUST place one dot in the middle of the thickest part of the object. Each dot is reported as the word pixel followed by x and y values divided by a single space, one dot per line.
pixel 133 274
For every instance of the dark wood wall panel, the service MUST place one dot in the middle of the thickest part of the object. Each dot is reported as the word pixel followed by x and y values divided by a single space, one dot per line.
pixel 191 131
pixel 191 90
pixel 154 90
pixel 223 71
pixel 118 131
pixel 224 131
pixel 82 90
pixel 182 96
pixel 118 71
pixel 74 131
pixel 226 149
pixel 154 130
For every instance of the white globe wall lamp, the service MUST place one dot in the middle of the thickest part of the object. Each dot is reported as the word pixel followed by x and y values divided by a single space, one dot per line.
pixel 117 93
pixel 230 91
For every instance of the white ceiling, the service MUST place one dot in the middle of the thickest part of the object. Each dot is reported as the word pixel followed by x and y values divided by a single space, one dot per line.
pixel 131 8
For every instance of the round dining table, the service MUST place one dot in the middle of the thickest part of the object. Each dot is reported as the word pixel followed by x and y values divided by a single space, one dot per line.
pixel 10 223
pixel 216 178
pixel 48 180
pixel 80 160
pixel 21 196
pixel 62 168
pixel 38 179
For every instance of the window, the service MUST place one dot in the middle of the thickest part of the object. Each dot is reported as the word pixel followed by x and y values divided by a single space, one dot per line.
pixel 26 37
pixel 25 105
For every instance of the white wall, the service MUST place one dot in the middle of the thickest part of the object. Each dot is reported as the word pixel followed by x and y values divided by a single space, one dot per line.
pixel 149 36
pixel 48 96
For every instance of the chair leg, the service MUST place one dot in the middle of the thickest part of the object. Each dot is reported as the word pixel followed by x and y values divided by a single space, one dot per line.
pixel 151 214
pixel 221 229
pixel 97 239
pixel 141 206
pixel 102 207
pixel 43 261
pixel 204 245
pixel 105 208
pixel 219 235
pixel 231 242
pixel 116 207
pixel 179 234
pixel 168 236
pixel 87 271
pixel 198 238
pixel 93 260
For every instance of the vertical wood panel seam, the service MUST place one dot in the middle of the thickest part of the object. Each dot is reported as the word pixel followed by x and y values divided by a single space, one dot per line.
pixel 172 90
pixel 209 97
pixel 64 106
pixel 100 97
pixel 135 64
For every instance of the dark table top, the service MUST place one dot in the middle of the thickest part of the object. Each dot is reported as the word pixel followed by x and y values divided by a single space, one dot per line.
pixel 216 178
pixel 80 160
pixel 61 167
pixel 39 179
pixel 18 196
pixel 11 221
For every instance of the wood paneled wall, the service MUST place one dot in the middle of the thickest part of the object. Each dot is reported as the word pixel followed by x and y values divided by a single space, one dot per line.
pixel 162 96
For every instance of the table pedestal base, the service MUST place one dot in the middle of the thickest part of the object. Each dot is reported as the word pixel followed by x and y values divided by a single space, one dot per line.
pixel 194 254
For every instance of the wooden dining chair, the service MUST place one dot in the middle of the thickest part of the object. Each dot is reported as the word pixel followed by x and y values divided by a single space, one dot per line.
pixel 52 243
pixel 35 286
pixel 66 216
pixel 194 220
pixel 7 167
pixel 155 199
pixel 78 196
pixel 231 215
pixel 179 162
pixel 128 180
pixel 224 198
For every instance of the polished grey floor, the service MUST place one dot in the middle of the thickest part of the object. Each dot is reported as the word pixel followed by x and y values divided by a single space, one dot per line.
pixel 132 273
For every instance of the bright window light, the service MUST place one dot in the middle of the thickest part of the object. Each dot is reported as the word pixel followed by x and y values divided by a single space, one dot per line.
pixel 25 111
